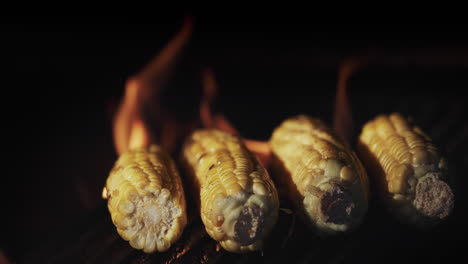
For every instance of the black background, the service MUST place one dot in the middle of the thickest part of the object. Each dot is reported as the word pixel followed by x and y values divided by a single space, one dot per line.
pixel 59 84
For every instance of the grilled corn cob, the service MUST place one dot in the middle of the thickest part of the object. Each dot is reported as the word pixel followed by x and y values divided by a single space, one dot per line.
pixel 238 201
pixel 146 199
pixel 326 181
pixel 409 167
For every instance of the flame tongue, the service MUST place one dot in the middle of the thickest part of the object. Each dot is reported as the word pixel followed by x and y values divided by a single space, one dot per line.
pixel 218 120
pixel 342 117
pixel 139 135
pixel 141 104
pixel 128 115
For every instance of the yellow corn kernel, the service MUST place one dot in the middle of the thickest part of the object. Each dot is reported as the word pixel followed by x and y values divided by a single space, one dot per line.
pixel 238 201
pixel 407 165
pixel 146 199
pixel 326 181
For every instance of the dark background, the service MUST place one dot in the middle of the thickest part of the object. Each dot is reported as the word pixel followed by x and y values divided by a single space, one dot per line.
pixel 60 82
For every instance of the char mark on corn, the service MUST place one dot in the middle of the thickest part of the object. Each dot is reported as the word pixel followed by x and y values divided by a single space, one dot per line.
pixel 325 179
pixel 409 168
pixel 238 201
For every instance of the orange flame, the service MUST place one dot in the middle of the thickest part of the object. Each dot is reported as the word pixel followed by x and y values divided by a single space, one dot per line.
pixel 208 117
pixel 209 93
pixel 218 120
pixel 139 135
pixel 342 117
pixel 261 148
pixel 141 103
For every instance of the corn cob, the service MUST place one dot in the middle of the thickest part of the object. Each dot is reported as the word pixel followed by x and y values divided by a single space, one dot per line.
pixel 237 199
pixel 146 199
pixel 327 183
pixel 409 168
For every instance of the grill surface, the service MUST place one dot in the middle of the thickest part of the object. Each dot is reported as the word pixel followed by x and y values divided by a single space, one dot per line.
pixel 441 112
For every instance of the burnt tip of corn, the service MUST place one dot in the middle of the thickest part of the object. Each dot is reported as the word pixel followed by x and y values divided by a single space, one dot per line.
pixel 434 198
pixel 338 206
pixel 249 225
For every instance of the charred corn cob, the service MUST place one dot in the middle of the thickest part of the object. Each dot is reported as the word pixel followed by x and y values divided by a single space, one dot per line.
pixel 409 168
pixel 327 183
pixel 146 199
pixel 238 201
